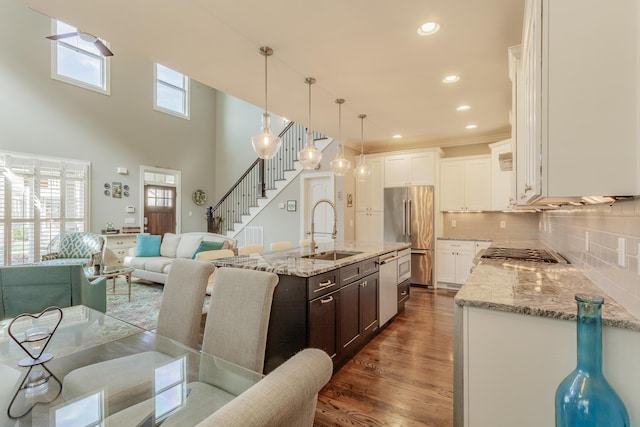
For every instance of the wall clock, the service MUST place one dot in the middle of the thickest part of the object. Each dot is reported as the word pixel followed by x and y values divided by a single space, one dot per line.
pixel 199 197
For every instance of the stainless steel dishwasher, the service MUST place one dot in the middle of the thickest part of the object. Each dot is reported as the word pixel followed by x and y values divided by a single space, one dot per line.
pixel 388 288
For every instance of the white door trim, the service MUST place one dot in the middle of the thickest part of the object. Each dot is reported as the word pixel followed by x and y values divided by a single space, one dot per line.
pixel 177 185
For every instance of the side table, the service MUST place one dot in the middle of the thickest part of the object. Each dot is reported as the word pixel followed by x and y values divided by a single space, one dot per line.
pixel 113 274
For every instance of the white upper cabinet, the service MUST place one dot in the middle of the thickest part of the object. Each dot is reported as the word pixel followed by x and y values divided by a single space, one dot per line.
pixel 370 193
pixel 577 103
pixel 465 184
pixel 501 197
pixel 418 168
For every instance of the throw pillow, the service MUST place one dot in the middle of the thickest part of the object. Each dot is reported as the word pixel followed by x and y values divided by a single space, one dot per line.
pixel 169 245
pixel 148 245
pixel 207 246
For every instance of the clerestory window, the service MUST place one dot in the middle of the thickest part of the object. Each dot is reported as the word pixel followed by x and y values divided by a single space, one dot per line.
pixel 171 92
pixel 77 60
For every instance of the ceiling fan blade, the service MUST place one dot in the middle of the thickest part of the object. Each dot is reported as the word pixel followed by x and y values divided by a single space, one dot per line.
pixel 62 36
pixel 102 48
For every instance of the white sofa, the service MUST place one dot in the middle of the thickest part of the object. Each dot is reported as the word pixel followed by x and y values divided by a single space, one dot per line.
pixel 156 268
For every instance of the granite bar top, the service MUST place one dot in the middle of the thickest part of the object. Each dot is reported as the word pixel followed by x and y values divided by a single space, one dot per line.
pixel 289 261
pixel 536 288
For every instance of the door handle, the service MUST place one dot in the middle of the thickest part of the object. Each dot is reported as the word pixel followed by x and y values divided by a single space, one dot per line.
pixel 409 218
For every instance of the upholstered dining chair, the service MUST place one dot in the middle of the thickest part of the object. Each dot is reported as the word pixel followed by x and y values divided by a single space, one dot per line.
pixel 178 319
pixel 209 255
pixel 250 249
pixel 182 300
pixel 286 397
pixel 279 246
pixel 238 317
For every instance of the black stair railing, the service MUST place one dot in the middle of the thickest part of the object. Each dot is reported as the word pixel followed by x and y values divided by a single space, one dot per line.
pixel 261 176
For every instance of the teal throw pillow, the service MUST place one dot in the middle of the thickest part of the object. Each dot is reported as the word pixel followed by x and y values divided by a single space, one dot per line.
pixel 207 246
pixel 148 245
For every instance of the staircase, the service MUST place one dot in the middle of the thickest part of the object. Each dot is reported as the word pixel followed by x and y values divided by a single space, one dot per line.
pixel 260 183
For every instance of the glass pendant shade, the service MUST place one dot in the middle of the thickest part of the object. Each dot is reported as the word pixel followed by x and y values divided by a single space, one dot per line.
pixel 340 164
pixel 361 171
pixel 266 144
pixel 309 157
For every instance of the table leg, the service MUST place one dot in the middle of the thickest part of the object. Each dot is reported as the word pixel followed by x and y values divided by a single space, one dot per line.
pixel 128 275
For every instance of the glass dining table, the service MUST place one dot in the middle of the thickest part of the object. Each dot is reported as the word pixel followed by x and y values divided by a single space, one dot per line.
pixel 149 379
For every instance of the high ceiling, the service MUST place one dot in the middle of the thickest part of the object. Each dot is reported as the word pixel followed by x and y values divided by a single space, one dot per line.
pixel 366 51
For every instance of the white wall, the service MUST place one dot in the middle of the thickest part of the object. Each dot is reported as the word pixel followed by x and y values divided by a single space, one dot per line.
pixel 46 117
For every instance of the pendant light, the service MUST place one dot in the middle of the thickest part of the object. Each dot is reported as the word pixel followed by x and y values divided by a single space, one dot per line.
pixel 309 157
pixel 340 164
pixel 266 144
pixel 361 171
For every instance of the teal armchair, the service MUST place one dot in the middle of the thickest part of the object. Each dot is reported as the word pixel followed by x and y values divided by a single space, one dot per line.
pixel 32 288
pixel 76 248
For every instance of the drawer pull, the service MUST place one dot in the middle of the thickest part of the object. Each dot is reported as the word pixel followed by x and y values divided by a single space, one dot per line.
pixel 323 286
pixel 346 279
pixel 326 300
pixel 403 293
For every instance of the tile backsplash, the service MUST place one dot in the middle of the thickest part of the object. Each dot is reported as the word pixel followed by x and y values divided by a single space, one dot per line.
pixel 487 225
pixel 589 237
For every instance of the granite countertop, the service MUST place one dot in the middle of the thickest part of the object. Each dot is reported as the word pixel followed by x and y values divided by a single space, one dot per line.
pixel 536 288
pixel 289 261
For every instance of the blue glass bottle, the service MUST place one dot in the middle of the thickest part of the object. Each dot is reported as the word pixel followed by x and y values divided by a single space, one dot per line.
pixel 585 398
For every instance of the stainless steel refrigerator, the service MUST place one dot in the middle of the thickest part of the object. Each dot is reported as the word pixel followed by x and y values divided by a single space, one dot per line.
pixel 408 217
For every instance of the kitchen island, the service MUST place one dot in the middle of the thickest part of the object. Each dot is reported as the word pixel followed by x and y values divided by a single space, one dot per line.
pixel 320 301
pixel 515 340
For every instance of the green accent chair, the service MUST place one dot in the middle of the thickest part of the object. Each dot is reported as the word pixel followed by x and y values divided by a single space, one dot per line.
pixel 32 288
pixel 75 248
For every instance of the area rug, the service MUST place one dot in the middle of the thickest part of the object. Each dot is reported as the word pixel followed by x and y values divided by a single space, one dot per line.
pixel 142 310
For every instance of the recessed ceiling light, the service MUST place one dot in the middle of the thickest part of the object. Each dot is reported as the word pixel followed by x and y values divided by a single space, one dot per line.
pixel 463 107
pixel 471 126
pixel 396 136
pixel 428 28
pixel 451 79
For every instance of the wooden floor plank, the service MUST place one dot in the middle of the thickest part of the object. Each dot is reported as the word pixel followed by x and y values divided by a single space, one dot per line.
pixel 403 377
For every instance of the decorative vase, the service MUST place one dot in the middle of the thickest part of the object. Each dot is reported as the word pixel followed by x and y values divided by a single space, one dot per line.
pixel 585 398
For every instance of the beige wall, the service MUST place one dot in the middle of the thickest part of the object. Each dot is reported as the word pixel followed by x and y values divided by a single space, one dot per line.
pixel 564 231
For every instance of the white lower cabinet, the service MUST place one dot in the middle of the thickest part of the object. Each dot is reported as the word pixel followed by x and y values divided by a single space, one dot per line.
pixel 454 259
pixel 369 226
pixel 512 364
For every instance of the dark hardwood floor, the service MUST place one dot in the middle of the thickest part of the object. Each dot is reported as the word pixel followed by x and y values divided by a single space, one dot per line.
pixel 404 376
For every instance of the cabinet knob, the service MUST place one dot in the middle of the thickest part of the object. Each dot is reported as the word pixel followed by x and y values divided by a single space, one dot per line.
pixel 527 187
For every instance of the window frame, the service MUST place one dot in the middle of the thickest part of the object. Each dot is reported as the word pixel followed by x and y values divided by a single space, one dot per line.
pixel 39 221
pixel 186 91
pixel 104 60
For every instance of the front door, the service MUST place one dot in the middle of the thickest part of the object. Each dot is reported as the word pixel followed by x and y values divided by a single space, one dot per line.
pixel 159 209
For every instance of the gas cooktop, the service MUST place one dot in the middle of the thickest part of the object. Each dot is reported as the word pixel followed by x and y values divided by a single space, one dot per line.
pixel 534 255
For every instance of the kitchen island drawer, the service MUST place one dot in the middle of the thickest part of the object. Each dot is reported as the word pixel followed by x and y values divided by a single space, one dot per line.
pixel 321 284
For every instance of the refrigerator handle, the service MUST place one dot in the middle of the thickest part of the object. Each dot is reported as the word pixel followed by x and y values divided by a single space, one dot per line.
pixel 404 217
pixel 409 218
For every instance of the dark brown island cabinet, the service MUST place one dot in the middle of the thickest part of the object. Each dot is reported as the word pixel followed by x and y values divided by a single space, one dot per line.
pixel 336 311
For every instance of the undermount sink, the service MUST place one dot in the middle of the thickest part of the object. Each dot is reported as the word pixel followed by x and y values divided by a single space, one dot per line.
pixel 330 255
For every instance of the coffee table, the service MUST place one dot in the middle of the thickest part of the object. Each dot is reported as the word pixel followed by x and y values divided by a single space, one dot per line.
pixel 113 274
